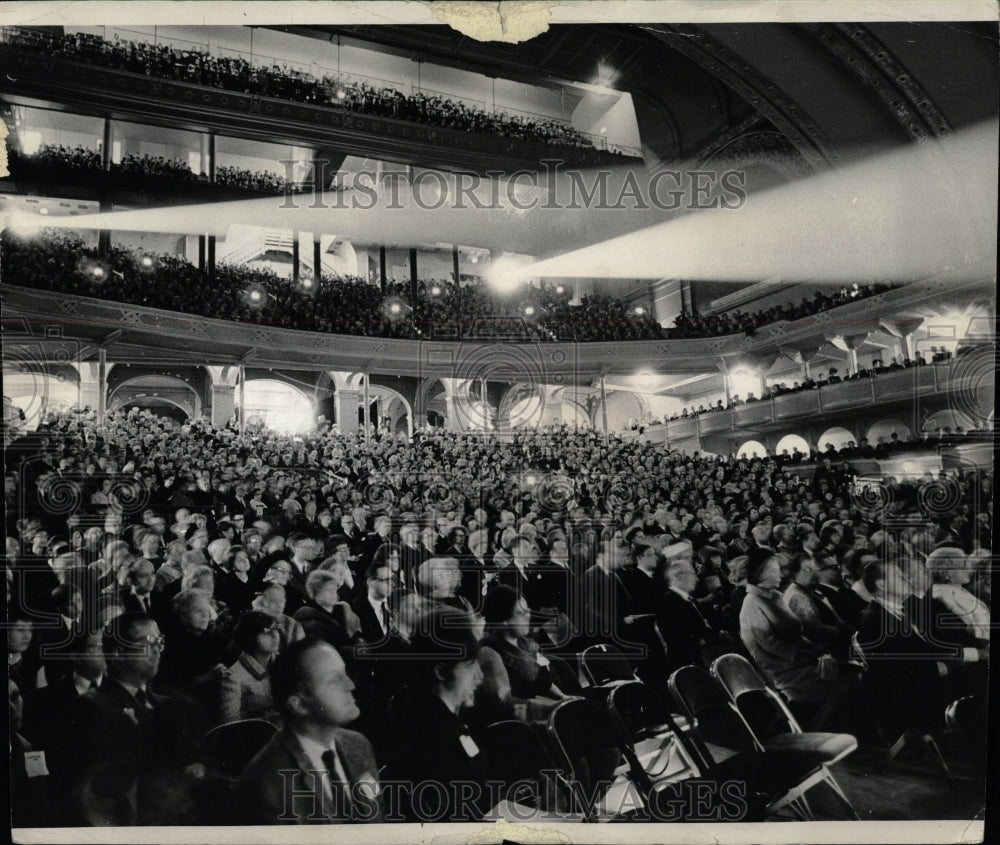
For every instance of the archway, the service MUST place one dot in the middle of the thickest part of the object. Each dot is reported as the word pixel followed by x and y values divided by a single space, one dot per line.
pixel 278 405
pixel 948 419
pixel 38 394
pixel 163 408
pixel 752 449
pixel 791 442
pixel 158 391
pixel 884 429
pixel 838 436
pixel 393 411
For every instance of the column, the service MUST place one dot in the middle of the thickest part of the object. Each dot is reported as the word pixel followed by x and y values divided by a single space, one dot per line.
pixel 102 383
pixel 903 329
pixel 201 252
pixel 295 257
pixel 551 405
pixel 317 260
pixel 367 409
pixel 381 268
pixel 604 408
pixel 223 404
pixel 454 263
pixel 89 385
pixel 211 258
pixel 850 343
pixel 243 399
pixel 347 410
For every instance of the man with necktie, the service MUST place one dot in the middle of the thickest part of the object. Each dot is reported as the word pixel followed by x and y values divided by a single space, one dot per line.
pixel 372 609
pixel 314 771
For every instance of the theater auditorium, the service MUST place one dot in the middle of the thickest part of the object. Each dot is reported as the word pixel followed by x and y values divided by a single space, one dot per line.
pixel 400 427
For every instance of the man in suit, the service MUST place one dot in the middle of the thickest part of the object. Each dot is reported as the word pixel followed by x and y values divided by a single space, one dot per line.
pixel 138 595
pixel 373 608
pixel 685 626
pixel 314 771
pixel 820 624
pixel 134 753
pixel 831 592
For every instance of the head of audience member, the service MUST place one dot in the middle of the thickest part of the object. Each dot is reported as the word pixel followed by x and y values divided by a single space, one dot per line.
pixel 192 609
pixel 311 688
pixel 278 573
pixel 218 552
pixel 644 557
pixel 802 570
pixel 763 569
pixel 948 565
pixel 88 655
pixel 132 646
pixel 379 579
pixel 199 578
pixel 197 537
pixel 257 634
pixel 141 577
pixel 681 575
pixel 886 582
pixel 446 650
pixel 323 587
pixel 439 577
pixel 271 600
pixel 506 613
pixel 20 631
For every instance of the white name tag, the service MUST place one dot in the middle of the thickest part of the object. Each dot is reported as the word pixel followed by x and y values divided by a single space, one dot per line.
pixel 34 763
pixel 469 745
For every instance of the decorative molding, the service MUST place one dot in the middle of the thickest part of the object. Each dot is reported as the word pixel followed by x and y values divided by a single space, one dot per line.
pixel 759 91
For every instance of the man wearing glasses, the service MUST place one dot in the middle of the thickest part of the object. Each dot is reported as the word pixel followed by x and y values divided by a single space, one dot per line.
pixel 130 742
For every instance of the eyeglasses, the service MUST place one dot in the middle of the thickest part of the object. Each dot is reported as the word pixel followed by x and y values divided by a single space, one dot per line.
pixel 274 629
pixel 159 643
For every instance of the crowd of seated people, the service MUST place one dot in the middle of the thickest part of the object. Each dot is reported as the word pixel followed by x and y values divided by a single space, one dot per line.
pixel 233 73
pixel 731 322
pixel 444 310
pixel 162 580
pixel 58 160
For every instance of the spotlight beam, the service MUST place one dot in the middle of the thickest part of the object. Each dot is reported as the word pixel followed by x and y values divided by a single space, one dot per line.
pixel 908 215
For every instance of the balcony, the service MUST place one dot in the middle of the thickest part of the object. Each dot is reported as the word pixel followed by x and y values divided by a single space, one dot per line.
pixel 685 429
pixel 715 422
pixel 37 79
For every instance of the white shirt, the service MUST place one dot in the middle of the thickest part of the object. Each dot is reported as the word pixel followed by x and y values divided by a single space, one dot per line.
pixel 314 752
pixel 378 606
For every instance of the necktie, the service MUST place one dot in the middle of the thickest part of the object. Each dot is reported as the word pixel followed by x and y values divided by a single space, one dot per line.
pixel 143 699
pixel 385 618
pixel 340 807
pixel 144 604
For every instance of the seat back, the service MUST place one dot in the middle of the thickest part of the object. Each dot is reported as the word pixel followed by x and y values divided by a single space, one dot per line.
pixel 760 706
pixel 231 747
pixel 519 757
pixel 604 664
pixel 702 701
pixel 586 745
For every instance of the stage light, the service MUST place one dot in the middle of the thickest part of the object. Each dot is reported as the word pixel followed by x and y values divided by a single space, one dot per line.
pixel 529 311
pixel 639 310
pixel 307 283
pixel 474 258
pixel 560 289
pixel 395 308
pixel 505 275
pixel 97 272
pixel 146 261
pixel 604 130
pixel 341 94
pixel 435 291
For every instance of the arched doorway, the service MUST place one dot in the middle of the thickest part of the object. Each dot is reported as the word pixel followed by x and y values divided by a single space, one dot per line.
pixel 752 449
pixel 278 405
pixel 791 442
pixel 165 394
pixel 838 437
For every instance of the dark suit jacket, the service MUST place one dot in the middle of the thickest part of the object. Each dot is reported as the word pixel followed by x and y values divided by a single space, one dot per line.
pixel 327 626
pixel 371 630
pixel 280 785
pixel 684 629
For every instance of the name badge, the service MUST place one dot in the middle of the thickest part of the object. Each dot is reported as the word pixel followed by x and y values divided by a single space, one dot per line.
pixel 469 745
pixel 34 763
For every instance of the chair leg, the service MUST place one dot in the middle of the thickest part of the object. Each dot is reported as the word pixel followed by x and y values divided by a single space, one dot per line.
pixel 810 816
pixel 931 745
pixel 904 740
pixel 831 781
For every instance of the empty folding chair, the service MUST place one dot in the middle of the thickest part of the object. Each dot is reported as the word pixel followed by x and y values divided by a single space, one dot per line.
pixel 772 725
pixel 604 664
pixel 650 730
pixel 779 778
pixel 586 745
pixel 520 758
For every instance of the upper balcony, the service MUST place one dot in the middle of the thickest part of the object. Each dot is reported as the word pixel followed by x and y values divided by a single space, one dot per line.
pixel 254 106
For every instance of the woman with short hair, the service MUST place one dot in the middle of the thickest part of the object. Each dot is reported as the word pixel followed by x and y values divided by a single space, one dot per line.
pixel 245 687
